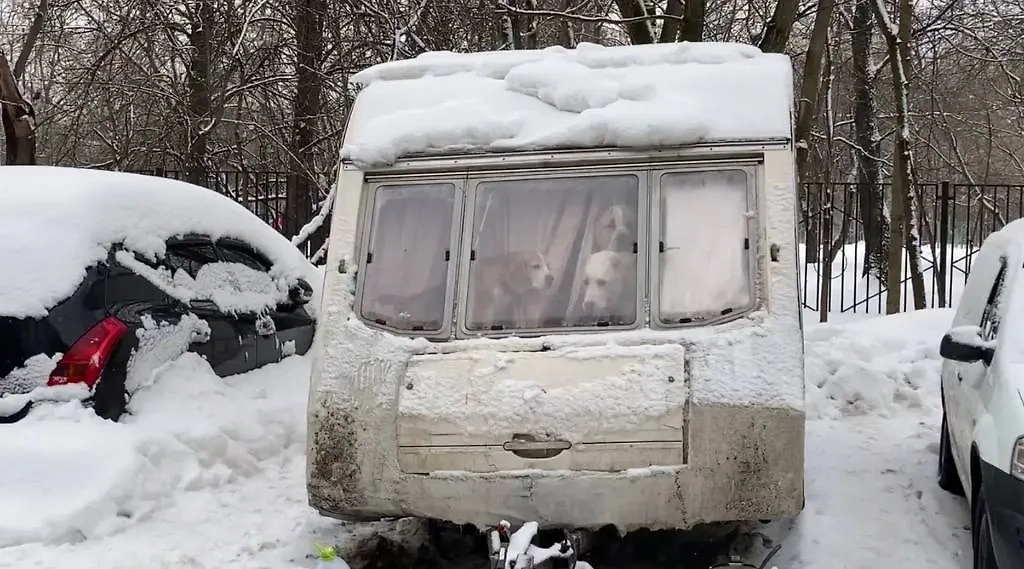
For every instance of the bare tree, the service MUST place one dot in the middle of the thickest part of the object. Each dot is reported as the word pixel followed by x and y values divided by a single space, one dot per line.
pixel 16 113
pixel 904 197
pixel 873 215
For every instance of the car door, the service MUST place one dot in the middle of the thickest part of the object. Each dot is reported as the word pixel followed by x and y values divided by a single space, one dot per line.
pixel 231 348
pixel 971 377
pixel 290 328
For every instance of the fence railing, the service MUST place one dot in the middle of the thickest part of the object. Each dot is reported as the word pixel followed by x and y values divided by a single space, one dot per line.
pixel 841 269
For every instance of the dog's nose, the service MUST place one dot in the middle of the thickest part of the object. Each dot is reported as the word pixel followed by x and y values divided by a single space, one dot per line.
pixel 549 279
pixel 588 305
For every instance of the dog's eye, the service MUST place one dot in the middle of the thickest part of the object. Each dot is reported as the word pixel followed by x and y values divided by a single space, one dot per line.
pixel 536 265
pixel 601 282
pixel 586 282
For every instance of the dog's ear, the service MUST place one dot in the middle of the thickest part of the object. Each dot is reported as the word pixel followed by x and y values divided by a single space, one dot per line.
pixel 517 275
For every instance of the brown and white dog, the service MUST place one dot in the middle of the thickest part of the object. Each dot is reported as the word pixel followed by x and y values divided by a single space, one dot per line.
pixel 504 287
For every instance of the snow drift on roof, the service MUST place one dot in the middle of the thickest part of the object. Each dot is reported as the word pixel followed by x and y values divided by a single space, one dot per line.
pixel 588 97
pixel 56 222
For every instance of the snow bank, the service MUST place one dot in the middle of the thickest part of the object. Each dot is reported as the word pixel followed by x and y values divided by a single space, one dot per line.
pixel 68 475
pixel 588 97
pixel 56 222
pixel 876 365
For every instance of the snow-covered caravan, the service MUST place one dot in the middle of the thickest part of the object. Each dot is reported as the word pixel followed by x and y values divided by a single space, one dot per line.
pixel 562 287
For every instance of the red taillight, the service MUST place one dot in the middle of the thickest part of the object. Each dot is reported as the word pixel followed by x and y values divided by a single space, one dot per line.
pixel 86 358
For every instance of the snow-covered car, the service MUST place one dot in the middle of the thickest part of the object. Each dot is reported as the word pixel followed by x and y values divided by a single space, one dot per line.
pixel 109 275
pixel 562 287
pixel 981 447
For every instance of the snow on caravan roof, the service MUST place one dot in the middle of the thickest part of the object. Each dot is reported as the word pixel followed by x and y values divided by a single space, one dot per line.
pixel 588 97
pixel 56 222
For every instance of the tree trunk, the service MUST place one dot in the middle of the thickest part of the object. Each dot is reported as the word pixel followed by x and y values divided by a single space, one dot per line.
pixel 200 98
pixel 810 86
pixel 693 21
pixel 903 196
pixel 640 31
pixel 306 111
pixel 870 196
pixel 777 30
pixel 566 31
pixel 18 119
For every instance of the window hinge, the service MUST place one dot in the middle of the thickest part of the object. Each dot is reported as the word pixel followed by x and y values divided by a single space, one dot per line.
pixel 636 248
pixel 661 246
pixel 369 258
pixel 447 255
pixel 746 243
pixel 472 254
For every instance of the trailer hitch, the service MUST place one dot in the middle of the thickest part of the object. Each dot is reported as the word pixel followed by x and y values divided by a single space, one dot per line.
pixel 508 550
pixel 735 562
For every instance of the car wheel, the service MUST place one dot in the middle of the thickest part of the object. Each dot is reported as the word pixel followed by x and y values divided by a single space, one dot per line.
pixel 109 399
pixel 949 479
pixel 981 533
pixel 17 416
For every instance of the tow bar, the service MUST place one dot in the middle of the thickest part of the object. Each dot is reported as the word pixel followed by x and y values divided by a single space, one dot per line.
pixel 516 550
pixel 735 562
pixel 508 550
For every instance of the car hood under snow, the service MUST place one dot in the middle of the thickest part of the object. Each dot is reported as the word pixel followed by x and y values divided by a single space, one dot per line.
pixel 57 222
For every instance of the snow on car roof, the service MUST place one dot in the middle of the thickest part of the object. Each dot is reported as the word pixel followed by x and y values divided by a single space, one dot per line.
pixel 56 222
pixel 588 97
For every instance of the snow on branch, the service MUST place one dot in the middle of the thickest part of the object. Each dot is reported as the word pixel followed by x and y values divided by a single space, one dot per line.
pixel 318 219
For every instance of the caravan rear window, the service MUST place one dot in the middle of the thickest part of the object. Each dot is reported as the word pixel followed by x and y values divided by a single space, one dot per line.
pixel 553 253
pixel 542 251
pixel 704 249
pixel 407 259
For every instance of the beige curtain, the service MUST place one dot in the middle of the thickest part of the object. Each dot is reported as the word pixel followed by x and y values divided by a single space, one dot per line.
pixel 410 233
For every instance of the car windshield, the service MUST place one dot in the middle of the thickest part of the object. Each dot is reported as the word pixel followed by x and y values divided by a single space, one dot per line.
pixel 553 253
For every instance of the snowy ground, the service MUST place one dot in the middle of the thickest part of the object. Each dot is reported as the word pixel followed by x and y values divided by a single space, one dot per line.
pixel 208 473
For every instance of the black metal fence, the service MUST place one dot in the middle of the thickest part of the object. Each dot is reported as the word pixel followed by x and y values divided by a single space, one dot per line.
pixel 839 269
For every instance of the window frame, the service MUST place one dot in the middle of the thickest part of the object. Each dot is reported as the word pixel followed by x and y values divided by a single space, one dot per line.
pixel 753 170
pixel 227 244
pixel 475 179
pixel 990 316
pixel 367 207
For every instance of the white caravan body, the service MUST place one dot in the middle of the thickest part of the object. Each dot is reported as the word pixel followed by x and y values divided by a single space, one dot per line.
pixel 562 286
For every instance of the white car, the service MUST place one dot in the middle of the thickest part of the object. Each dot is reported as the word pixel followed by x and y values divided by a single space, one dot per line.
pixel 981 454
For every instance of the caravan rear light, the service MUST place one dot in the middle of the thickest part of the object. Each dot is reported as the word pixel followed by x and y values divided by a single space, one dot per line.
pixel 86 358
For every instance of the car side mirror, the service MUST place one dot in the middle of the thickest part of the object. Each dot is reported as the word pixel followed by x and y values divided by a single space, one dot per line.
pixel 964 344
pixel 300 293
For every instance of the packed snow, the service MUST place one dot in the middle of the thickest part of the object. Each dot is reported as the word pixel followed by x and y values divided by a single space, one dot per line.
pixel 209 472
pixel 591 96
pixel 56 222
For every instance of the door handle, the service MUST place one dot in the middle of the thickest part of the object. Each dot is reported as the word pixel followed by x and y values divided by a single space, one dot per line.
pixel 525 446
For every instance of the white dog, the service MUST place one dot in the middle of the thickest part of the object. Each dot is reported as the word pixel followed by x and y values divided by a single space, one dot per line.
pixel 614 229
pixel 608 284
